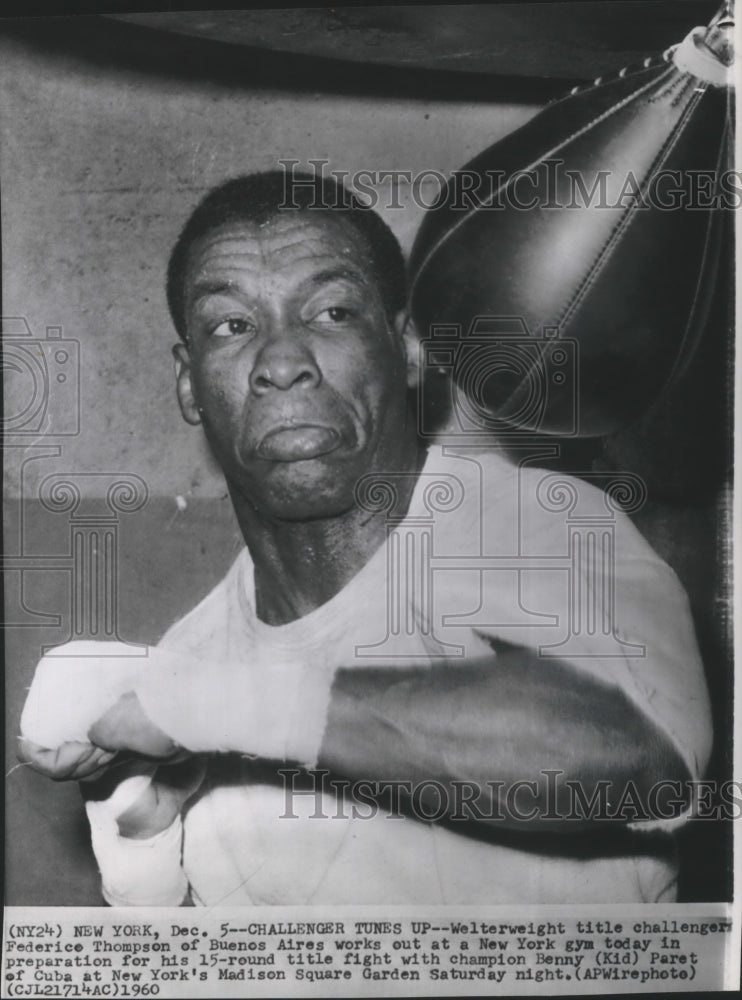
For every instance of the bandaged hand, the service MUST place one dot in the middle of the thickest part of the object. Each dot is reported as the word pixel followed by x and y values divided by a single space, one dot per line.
pixel 143 798
pixel 137 832
pixel 67 762
pixel 77 685
pixel 89 700
pixel 155 701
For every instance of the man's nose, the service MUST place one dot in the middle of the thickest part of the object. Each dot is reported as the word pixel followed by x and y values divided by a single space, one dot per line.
pixel 282 363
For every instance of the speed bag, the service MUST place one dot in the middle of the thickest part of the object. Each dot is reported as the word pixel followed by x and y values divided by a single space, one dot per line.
pixel 564 277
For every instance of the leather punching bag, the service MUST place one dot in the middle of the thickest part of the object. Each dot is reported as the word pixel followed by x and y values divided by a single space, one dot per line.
pixel 566 274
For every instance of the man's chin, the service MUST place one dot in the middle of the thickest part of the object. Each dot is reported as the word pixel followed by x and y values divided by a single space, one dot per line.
pixel 306 489
pixel 301 505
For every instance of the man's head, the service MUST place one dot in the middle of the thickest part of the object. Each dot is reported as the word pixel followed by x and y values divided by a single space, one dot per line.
pixel 294 353
pixel 261 197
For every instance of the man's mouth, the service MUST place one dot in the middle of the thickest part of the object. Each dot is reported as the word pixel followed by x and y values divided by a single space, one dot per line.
pixel 298 443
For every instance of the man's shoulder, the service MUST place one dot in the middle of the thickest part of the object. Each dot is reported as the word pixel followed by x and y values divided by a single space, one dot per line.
pixel 481 470
pixel 499 481
pixel 539 505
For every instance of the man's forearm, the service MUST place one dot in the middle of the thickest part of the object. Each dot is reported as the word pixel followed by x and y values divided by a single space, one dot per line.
pixel 499 721
pixel 507 718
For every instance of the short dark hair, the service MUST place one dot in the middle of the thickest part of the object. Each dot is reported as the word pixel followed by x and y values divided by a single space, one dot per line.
pixel 260 197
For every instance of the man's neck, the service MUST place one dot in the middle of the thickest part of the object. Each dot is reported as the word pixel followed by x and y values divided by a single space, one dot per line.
pixel 300 565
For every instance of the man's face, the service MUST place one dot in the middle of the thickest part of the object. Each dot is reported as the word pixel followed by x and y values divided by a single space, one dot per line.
pixel 292 367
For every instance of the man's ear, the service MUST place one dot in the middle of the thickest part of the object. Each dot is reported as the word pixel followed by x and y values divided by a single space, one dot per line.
pixel 406 330
pixel 184 385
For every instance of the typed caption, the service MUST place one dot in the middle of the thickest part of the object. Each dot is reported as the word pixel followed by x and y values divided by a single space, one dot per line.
pixel 366 951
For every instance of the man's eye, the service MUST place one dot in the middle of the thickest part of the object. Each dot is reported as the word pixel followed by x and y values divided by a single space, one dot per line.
pixel 233 327
pixel 335 314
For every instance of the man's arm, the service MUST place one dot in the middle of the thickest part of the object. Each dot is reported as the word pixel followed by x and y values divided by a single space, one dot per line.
pixel 134 809
pixel 500 720
pixel 504 718
pixel 503 722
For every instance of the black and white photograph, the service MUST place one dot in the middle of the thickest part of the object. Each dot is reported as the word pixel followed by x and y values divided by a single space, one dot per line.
pixel 369 437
